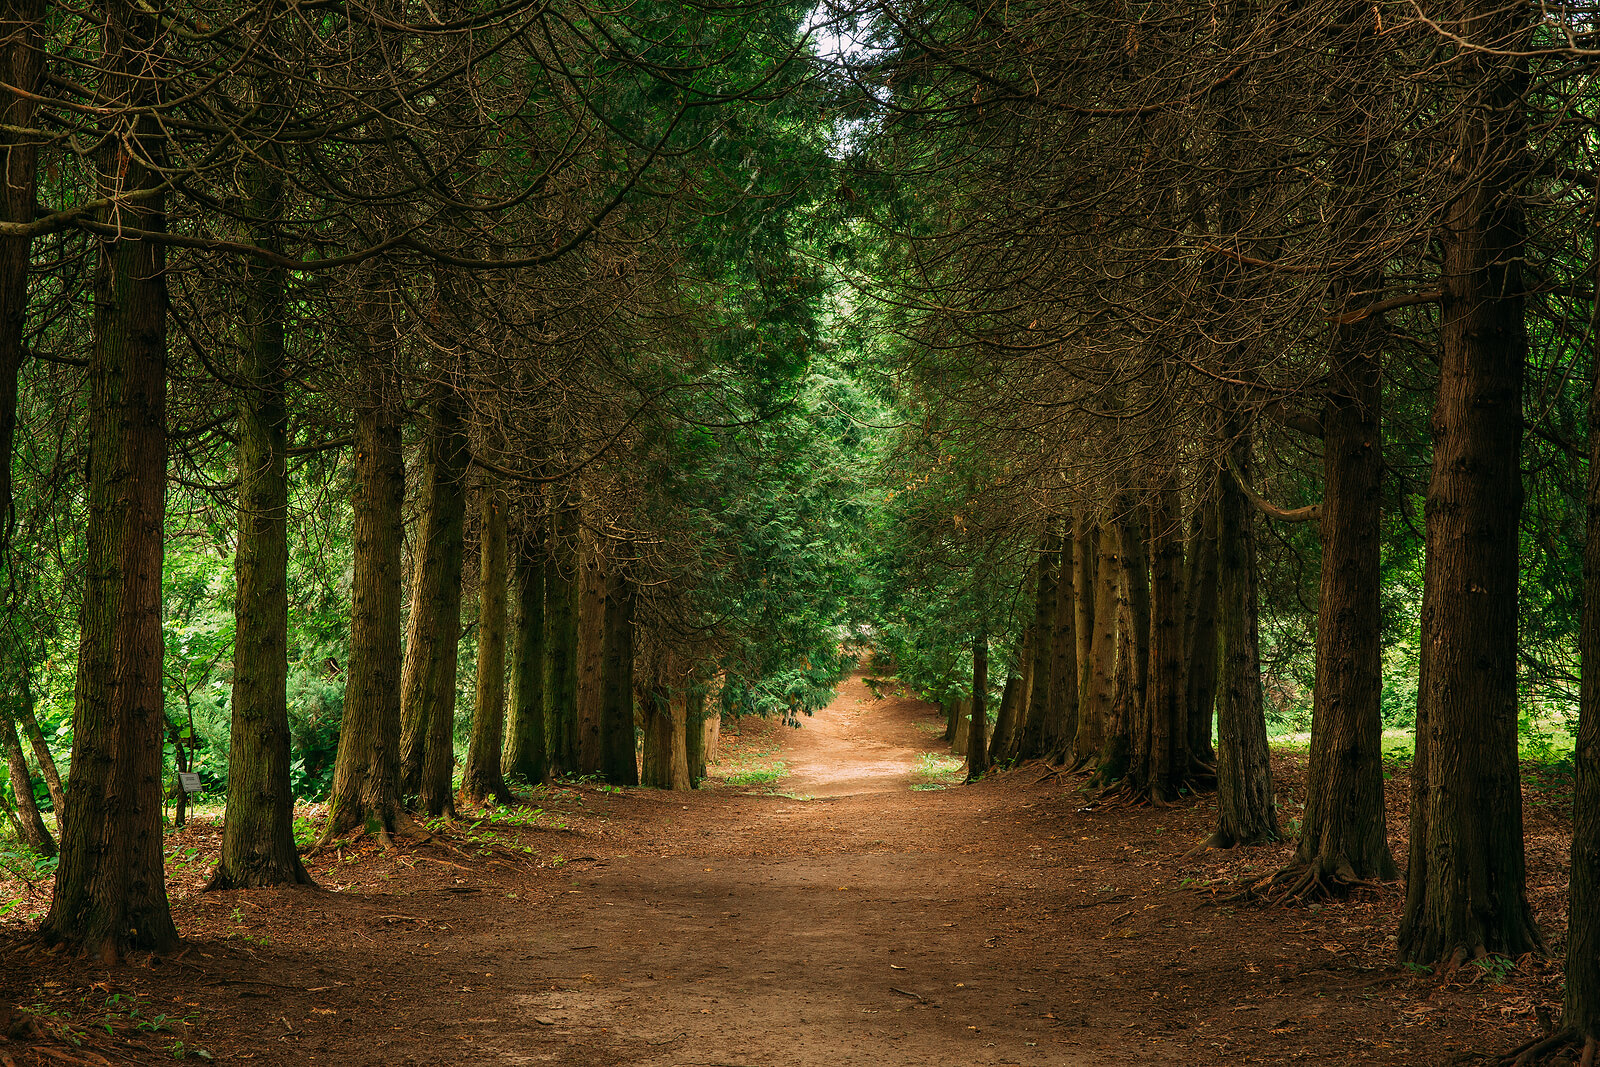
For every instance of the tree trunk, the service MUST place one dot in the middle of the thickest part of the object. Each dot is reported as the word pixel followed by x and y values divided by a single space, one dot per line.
pixel 618 764
pixel 1136 590
pixel 481 779
pixel 110 891
pixel 561 641
pixel 698 735
pixel 526 756
pixel 591 638
pixel 41 750
pixel 1085 550
pixel 1200 636
pixel 1061 725
pixel 1006 718
pixel 1116 750
pixel 1466 889
pixel 961 707
pixel 21 66
pixel 977 733
pixel 1031 745
pixel 1160 758
pixel 1246 814
pixel 258 847
pixel 366 775
pixel 1581 1012
pixel 666 752
pixel 30 824
pixel 1096 711
pixel 428 687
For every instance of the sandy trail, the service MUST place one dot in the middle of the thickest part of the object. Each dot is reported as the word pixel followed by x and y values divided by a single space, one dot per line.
pixel 857 744
pixel 806 933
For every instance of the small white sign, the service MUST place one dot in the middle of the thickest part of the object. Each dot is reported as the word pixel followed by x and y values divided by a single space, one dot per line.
pixel 190 781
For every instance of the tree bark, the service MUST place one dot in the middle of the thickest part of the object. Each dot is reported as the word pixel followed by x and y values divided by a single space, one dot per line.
pixel 1061 724
pixel 1096 711
pixel 526 756
pixel 1006 717
pixel 1200 636
pixel 30 824
pixel 1085 551
pixel 618 764
pixel 698 727
pixel 1160 757
pixel 977 732
pixel 561 641
pixel 1246 814
pixel 110 892
pixel 481 779
pixel 1032 742
pixel 591 638
pixel 428 686
pixel 258 847
pixel 21 66
pixel 666 753
pixel 1581 1011
pixel 366 775
pixel 1466 887
pixel 41 750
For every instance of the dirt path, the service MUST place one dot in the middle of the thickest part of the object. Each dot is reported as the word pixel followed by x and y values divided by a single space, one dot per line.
pixel 872 924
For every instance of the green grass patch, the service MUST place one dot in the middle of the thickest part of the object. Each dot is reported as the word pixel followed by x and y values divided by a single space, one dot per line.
pixel 767 774
pixel 935 770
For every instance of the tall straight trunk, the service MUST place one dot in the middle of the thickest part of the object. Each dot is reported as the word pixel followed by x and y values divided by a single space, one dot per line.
pixel 30 824
pixel 110 891
pixel 561 641
pixel 1160 757
pixel 1085 550
pixel 1061 724
pixel 481 779
pixel 618 764
pixel 1343 835
pixel 1246 814
pixel 41 751
pixel 1200 633
pixel 258 847
pixel 591 640
pixel 21 66
pixel 1096 711
pixel 366 774
pixel 977 733
pixel 696 725
pixel 1136 577
pixel 1581 1012
pixel 1116 749
pixel 1031 744
pixel 525 755
pixel 1466 888
pixel 666 751
pixel 428 686
pixel 1006 717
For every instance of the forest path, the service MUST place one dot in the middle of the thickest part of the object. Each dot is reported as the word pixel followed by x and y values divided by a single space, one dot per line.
pixel 838 917
pixel 860 743
pixel 830 923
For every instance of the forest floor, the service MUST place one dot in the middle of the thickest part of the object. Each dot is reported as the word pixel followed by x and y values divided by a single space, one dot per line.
pixel 834 897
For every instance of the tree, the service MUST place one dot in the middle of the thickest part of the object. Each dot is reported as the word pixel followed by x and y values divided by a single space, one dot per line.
pixel 110 892
pixel 1466 893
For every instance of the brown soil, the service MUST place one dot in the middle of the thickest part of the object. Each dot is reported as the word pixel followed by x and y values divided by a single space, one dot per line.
pixel 837 917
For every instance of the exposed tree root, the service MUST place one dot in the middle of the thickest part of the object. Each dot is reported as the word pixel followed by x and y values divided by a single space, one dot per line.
pixel 1546 1050
pixel 1304 883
